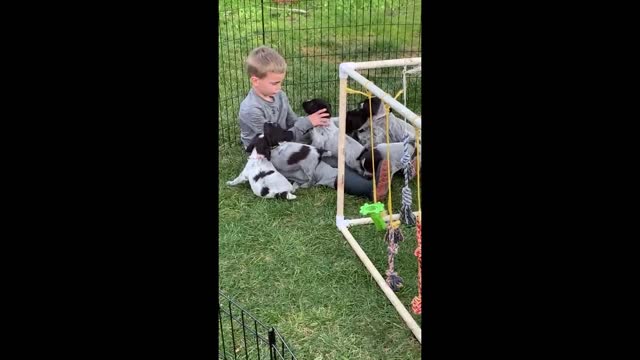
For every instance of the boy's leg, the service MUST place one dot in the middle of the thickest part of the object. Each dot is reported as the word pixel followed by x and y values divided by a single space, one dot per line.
pixel 354 183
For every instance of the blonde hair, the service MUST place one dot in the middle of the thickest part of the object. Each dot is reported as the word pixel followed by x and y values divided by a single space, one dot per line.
pixel 263 60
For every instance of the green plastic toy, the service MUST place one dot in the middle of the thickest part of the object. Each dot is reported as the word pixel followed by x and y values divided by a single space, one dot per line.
pixel 374 211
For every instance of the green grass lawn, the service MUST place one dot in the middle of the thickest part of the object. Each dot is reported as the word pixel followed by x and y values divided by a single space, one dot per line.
pixel 287 263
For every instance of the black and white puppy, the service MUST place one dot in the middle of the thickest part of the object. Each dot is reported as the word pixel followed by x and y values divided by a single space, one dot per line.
pixel 326 137
pixel 397 126
pixel 265 180
pixel 295 160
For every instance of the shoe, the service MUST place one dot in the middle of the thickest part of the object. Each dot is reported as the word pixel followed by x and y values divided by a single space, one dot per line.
pixel 382 181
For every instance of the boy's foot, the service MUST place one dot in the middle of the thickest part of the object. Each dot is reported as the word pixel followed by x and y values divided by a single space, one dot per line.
pixel 382 183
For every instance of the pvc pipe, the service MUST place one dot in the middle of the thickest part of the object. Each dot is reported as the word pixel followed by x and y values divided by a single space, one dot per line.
pixel 402 311
pixel 342 121
pixel 368 220
pixel 387 63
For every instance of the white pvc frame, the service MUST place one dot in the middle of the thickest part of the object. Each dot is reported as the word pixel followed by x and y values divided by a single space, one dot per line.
pixel 349 70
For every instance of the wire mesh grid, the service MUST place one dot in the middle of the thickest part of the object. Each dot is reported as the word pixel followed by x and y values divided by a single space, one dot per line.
pixel 242 336
pixel 314 37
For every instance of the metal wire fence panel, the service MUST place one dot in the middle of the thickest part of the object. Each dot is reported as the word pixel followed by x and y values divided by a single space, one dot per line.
pixel 242 336
pixel 314 37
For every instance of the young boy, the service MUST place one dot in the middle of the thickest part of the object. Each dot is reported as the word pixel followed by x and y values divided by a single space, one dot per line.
pixel 267 103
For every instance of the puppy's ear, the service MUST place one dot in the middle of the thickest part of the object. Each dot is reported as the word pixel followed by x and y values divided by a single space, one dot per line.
pixel 272 134
pixel 375 106
pixel 264 149
pixel 252 144
pixel 266 129
pixel 355 120
pixel 377 158
pixel 306 106
pixel 376 103
pixel 364 153
pixel 261 146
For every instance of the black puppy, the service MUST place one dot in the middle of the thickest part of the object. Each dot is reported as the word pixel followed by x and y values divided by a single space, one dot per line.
pixel 359 116
pixel 273 135
pixel 314 105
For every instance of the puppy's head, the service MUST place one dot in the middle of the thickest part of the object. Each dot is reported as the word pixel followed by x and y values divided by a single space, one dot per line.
pixel 314 105
pixel 359 116
pixel 274 134
pixel 367 164
pixel 260 145
pixel 376 106
pixel 355 119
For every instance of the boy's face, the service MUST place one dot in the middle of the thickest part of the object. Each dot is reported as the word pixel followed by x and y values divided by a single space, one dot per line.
pixel 269 85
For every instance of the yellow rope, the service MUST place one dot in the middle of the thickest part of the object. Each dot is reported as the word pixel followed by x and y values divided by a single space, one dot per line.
pixel 386 113
pixel 373 164
pixel 351 91
pixel 373 168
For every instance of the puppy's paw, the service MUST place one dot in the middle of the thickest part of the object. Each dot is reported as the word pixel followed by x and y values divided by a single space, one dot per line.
pixel 290 196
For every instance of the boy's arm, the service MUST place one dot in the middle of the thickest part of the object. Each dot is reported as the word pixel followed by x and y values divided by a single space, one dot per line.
pixel 299 125
pixel 251 124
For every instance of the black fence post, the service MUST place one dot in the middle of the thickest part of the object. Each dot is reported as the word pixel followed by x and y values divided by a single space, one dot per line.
pixel 272 344
pixel 262 12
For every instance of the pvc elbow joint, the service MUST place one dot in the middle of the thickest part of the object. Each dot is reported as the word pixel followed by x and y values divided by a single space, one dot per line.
pixel 344 67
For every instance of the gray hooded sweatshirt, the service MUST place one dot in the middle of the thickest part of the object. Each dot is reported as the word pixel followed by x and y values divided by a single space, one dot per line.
pixel 255 111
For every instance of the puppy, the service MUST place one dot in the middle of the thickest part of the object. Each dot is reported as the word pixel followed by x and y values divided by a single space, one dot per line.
pixel 298 161
pixel 397 127
pixel 265 180
pixel 274 134
pixel 326 137
pixel 355 118
pixel 295 161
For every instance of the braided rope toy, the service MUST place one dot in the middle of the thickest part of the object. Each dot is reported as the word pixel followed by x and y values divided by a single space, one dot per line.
pixel 406 215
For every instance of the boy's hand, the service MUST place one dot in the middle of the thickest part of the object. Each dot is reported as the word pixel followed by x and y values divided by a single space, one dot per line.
pixel 319 118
